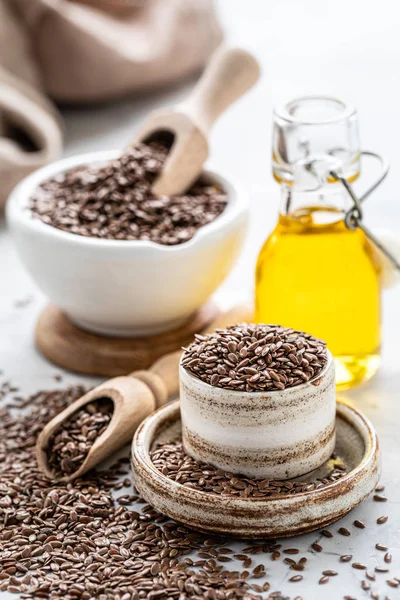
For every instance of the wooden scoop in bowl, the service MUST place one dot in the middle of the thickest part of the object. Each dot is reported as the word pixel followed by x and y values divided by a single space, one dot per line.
pixel 230 73
pixel 134 396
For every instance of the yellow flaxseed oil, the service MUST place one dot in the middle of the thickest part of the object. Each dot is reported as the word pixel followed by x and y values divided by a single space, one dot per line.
pixel 315 274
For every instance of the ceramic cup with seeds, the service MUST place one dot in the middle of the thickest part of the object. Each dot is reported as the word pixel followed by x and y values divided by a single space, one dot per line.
pixel 258 400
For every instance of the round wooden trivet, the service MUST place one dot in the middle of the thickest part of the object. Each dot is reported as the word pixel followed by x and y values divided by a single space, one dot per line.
pixel 74 349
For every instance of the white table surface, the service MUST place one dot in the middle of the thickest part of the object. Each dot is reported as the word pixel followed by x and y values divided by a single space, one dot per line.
pixel 346 49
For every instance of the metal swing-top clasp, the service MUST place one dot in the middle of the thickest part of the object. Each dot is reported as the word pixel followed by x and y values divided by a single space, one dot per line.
pixel 354 216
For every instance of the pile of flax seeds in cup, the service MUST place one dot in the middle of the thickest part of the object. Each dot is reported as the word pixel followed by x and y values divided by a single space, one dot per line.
pixel 93 539
pixel 255 358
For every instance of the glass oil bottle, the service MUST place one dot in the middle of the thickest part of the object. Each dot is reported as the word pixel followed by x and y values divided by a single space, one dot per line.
pixel 314 272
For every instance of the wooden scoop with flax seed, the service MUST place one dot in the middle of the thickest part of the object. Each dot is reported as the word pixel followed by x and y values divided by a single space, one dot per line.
pixel 134 397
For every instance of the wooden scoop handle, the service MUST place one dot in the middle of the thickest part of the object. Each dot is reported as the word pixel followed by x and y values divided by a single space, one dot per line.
pixel 167 367
pixel 134 398
pixel 231 73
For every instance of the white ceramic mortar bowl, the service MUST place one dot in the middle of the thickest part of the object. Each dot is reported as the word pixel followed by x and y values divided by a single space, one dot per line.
pixel 125 288
pixel 279 434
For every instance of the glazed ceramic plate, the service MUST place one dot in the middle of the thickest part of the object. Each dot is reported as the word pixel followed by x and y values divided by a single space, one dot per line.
pixel 253 518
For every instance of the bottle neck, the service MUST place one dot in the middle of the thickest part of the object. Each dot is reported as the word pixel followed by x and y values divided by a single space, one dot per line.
pixel 331 197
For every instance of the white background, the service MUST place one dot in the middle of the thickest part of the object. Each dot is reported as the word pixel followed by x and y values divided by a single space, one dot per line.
pixel 350 49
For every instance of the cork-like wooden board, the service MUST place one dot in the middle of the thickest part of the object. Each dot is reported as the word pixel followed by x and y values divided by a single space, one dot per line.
pixel 74 349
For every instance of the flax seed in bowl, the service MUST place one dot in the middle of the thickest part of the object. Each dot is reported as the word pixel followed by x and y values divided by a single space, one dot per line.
pixel 258 400
pixel 114 200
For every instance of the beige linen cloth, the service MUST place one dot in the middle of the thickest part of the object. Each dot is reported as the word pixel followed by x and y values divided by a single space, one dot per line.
pixel 85 51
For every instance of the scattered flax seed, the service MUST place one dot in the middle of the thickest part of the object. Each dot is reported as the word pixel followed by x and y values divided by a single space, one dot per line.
pixel 346 558
pixel 381 547
pixel 393 583
pixel 255 358
pixel 349 598
pixel 225 551
pixel 80 542
pixel 388 557
pixel 259 571
pixel 381 570
pixel 359 524
pixel 77 541
pixel 380 488
pixel 365 585
pixel 326 533
pixel 378 498
pixel 344 531
pixel 224 559
pixel 370 576
pixel 359 566
pixel 382 520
